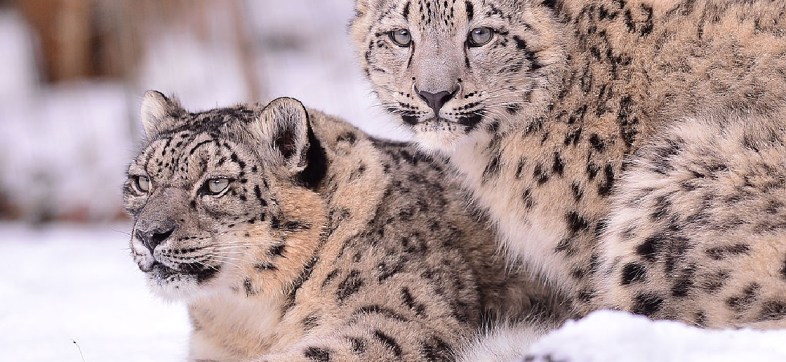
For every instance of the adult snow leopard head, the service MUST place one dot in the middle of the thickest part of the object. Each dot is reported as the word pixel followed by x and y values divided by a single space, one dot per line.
pixel 449 68
pixel 222 198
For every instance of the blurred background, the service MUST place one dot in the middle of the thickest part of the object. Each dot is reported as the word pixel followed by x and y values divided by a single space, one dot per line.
pixel 72 74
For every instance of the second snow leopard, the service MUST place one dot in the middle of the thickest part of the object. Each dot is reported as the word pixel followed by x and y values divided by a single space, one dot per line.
pixel 292 236
pixel 632 151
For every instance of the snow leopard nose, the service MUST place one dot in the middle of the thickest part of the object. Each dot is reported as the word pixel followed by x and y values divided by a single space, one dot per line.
pixel 436 100
pixel 156 234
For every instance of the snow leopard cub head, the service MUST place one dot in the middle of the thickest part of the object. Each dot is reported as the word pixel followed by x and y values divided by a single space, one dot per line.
pixel 221 198
pixel 453 69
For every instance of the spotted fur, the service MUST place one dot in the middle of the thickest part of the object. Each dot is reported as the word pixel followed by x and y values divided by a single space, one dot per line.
pixel 632 151
pixel 325 244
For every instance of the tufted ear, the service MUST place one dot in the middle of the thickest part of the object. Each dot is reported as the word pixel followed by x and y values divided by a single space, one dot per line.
pixel 361 23
pixel 157 112
pixel 362 7
pixel 283 125
pixel 362 10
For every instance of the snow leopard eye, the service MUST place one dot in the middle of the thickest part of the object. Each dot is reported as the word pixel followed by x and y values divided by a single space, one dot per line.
pixel 141 183
pixel 215 186
pixel 479 36
pixel 401 37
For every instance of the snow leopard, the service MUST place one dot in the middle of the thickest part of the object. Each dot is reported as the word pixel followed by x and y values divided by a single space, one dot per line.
pixel 293 236
pixel 630 151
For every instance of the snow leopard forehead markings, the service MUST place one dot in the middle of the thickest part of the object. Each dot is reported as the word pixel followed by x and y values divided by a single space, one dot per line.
pixel 210 122
pixel 442 17
pixel 436 13
pixel 198 142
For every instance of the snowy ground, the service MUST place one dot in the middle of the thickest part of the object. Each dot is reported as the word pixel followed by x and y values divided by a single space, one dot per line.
pixel 616 336
pixel 63 284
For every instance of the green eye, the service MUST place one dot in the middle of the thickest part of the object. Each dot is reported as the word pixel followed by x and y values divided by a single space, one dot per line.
pixel 216 186
pixel 142 183
pixel 401 37
pixel 479 36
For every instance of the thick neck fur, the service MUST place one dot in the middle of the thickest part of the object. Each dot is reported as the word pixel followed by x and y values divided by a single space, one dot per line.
pixel 345 148
pixel 238 318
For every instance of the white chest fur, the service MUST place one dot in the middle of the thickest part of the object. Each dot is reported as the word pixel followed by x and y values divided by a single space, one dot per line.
pixel 232 323
pixel 529 237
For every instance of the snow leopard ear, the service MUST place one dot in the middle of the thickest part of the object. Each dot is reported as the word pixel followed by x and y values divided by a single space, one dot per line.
pixel 284 126
pixel 362 21
pixel 363 8
pixel 159 113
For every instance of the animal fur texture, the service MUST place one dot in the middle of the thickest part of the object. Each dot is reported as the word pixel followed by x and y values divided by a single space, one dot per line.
pixel 293 236
pixel 631 151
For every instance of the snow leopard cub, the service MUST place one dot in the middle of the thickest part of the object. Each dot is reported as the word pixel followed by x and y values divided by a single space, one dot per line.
pixel 630 150
pixel 292 236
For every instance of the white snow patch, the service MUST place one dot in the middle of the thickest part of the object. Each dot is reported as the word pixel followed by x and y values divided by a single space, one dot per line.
pixel 65 284
pixel 619 336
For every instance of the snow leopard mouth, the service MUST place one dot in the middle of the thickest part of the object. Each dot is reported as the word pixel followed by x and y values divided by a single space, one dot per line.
pixel 466 124
pixel 200 272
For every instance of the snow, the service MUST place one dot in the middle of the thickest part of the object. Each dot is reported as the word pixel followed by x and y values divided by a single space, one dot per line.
pixel 63 284
pixel 618 336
